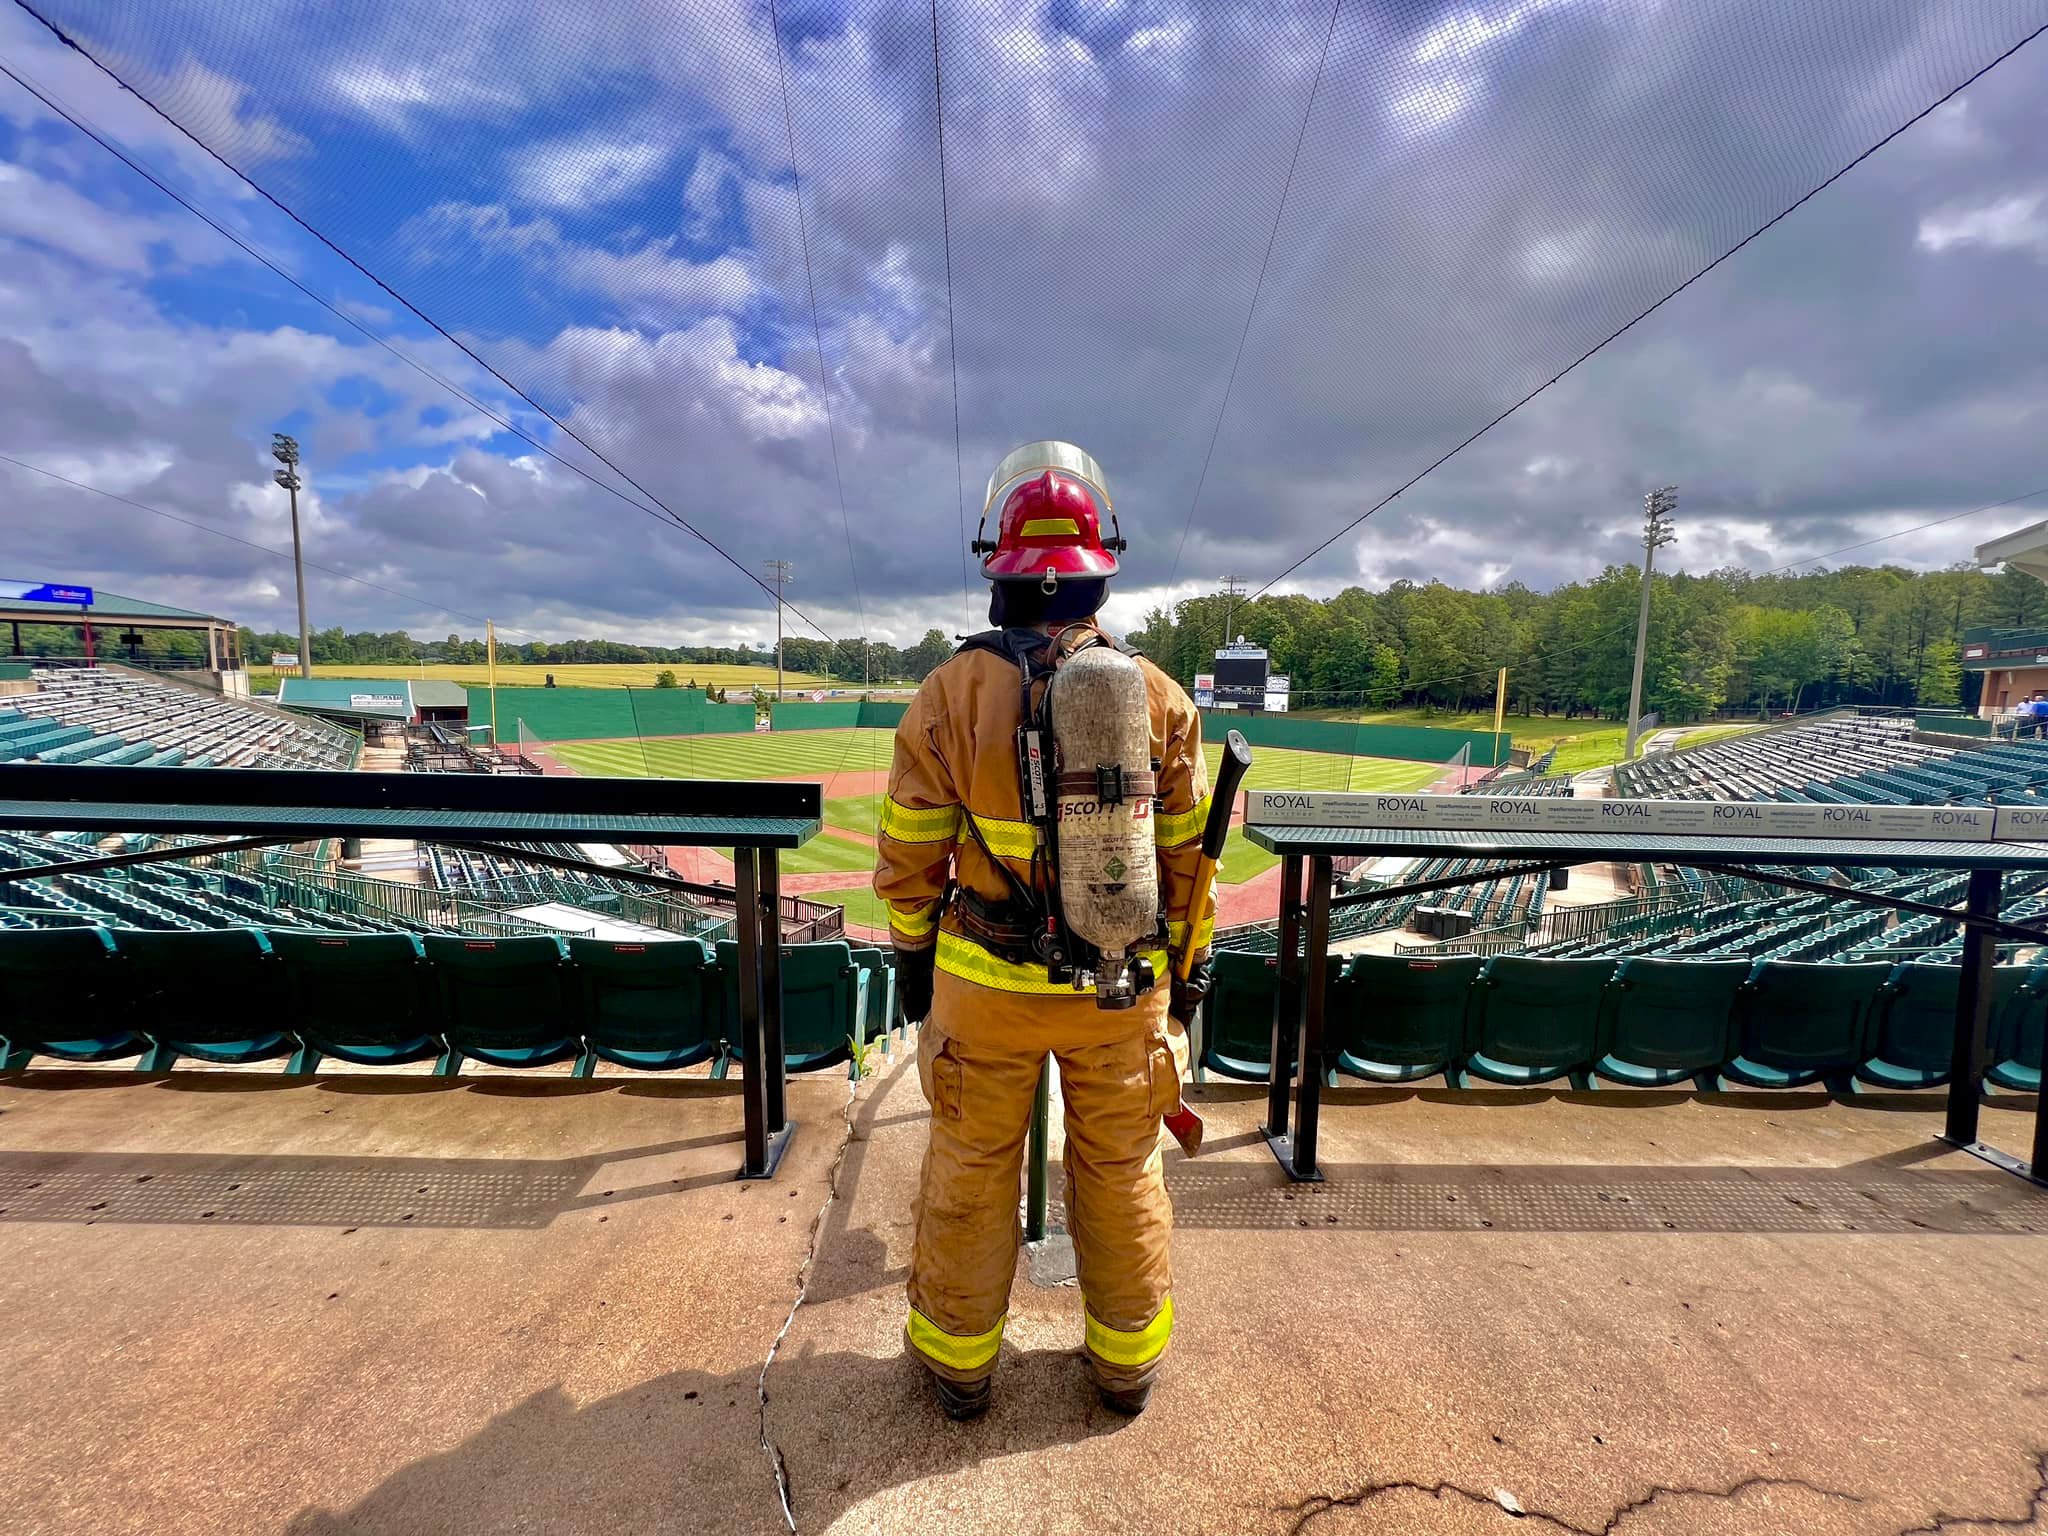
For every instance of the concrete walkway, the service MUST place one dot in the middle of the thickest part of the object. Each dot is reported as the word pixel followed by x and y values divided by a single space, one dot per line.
pixel 526 1305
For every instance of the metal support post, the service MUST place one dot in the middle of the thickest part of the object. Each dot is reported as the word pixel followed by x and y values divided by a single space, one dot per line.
pixel 774 1060
pixel 1309 1065
pixel 1973 1008
pixel 1286 996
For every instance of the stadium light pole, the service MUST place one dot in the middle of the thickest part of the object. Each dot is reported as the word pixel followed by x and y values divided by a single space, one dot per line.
pixel 778 571
pixel 285 450
pixel 1657 532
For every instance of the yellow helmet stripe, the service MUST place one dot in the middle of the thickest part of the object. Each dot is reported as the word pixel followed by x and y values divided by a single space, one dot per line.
pixel 1035 527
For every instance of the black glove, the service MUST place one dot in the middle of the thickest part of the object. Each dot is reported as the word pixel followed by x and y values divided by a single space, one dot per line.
pixel 914 981
pixel 1188 994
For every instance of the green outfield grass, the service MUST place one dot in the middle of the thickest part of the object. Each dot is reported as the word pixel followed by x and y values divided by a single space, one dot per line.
pixel 789 754
pixel 750 755
pixel 862 905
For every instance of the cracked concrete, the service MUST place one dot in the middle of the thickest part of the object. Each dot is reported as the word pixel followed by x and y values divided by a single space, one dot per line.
pixel 521 1305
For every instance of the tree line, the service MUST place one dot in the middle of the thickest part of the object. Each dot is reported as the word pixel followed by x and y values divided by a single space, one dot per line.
pixel 1727 641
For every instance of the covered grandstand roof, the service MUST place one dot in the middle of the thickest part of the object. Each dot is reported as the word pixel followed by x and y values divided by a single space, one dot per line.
pixel 2025 550
pixel 432 694
pixel 109 607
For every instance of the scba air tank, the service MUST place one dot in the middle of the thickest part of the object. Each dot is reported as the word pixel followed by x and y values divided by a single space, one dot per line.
pixel 1108 872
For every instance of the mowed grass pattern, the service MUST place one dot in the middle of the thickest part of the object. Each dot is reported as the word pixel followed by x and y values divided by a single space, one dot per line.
pixel 523 674
pixel 826 754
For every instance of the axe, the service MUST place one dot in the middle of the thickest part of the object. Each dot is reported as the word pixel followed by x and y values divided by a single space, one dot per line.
pixel 1185 1124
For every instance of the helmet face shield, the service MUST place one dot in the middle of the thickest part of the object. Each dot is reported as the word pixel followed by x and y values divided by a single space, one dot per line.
pixel 1033 458
pixel 1050 500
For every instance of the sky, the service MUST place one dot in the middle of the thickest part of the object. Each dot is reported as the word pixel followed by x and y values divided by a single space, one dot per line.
pixel 1267 262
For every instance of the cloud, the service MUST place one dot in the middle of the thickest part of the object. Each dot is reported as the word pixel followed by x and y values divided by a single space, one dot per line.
pixel 584 171
pixel 2016 223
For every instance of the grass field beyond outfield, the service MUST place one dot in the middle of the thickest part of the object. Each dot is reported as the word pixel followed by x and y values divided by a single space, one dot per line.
pixel 854 808
pixel 523 674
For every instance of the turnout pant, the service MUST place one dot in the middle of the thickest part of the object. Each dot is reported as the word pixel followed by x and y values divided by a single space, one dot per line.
pixel 979 1057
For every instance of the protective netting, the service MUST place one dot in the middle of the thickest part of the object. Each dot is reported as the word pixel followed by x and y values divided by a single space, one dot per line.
pixel 1437 206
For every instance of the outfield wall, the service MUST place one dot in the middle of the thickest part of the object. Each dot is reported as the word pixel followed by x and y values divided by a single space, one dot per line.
pixel 1414 743
pixel 625 714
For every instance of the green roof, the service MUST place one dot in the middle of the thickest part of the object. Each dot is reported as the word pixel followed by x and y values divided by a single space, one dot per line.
pixel 367 697
pixel 108 605
pixel 437 695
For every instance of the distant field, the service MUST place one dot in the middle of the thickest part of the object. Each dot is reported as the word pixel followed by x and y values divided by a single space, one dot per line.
pixel 535 675
pixel 828 754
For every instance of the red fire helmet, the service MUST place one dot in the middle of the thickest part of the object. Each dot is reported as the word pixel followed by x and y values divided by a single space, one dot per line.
pixel 1049 527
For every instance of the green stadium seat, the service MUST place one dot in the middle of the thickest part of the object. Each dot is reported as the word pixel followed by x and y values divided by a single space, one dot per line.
pixel 2016 1032
pixel 1915 1030
pixel 649 1006
pixel 1664 1021
pixel 1394 1019
pixel 1237 1017
pixel 60 991
pixel 365 998
pixel 504 1002
pixel 1801 1022
pixel 882 1016
pixel 824 1003
pixel 215 994
pixel 1534 1021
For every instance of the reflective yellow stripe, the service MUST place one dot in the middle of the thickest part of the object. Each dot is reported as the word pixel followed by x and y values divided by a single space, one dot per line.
pixel 1035 527
pixel 914 919
pixel 939 824
pixel 967 960
pixel 1172 828
pixel 1116 1347
pixel 1006 839
pixel 963 1352
pixel 1205 933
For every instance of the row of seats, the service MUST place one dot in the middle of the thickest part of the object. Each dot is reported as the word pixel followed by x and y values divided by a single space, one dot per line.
pixel 239 995
pixel 1643 1022
pixel 122 718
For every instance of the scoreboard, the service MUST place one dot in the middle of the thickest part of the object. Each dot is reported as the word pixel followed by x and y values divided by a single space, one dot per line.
pixel 1241 677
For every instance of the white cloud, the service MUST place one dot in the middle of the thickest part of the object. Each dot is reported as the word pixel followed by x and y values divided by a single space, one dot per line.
pixel 704 192
pixel 2015 223
pixel 584 171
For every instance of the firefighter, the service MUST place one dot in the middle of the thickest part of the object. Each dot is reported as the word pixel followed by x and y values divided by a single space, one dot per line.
pixel 971 885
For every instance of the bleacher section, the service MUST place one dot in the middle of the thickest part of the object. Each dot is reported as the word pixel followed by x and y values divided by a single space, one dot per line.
pixel 162 988
pixel 112 717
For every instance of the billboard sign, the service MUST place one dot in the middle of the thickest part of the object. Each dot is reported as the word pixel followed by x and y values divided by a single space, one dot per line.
pixel 390 701
pixel 284 658
pixel 46 592
pixel 1278 687
pixel 1205 690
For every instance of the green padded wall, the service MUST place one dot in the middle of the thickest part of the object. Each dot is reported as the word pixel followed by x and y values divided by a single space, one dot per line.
pixel 1416 743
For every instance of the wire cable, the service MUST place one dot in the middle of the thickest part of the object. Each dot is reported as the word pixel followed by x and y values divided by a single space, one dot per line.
pixel 1953 517
pixel 282 554
pixel 1258 287
pixel 952 337
pixel 282 207
pixel 1760 230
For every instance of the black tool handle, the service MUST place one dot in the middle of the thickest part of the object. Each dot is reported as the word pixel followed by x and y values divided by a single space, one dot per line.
pixel 1237 758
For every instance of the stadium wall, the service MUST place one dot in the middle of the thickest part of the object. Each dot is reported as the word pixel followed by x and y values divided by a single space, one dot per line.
pixel 1415 743
pixel 626 714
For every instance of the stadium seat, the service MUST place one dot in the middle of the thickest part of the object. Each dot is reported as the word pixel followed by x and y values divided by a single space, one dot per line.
pixel 2016 1034
pixel 365 998
pixel 881 993
pixel 1663 1021
pixel 60 988
pixel 1396 1019
pixel 1914 1035
pixel 504 1002
pixel 215 993
pixel 824 1003
pixel 649 1006
pixel 1799 1023
pixel 1534 1021
pixel 1237 1018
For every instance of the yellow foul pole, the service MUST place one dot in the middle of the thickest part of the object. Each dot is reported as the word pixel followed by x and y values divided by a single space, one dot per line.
pixel 1500 706
pixel 491 670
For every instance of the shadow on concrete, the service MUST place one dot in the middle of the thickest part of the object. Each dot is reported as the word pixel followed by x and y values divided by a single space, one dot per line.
pixel 667 1454
pixel 224 1189
pixel 1878 1196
